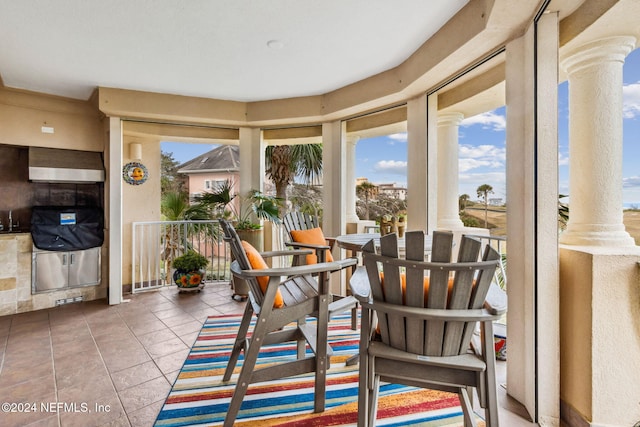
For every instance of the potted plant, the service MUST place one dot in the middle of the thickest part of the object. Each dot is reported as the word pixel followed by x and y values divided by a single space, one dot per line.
pixel 189 270
pixel 246 212
pixel 402 224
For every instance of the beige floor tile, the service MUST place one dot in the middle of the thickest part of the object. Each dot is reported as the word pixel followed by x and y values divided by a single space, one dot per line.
pixel 135 375
pixel 141 395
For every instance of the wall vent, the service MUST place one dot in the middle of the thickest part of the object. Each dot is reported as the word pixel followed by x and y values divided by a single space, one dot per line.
pixel 69 300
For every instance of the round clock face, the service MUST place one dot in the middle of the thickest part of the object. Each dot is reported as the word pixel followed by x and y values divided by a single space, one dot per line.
pixel 135 173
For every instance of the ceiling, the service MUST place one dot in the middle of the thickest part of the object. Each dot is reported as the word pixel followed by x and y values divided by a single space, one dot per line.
pixel 237 50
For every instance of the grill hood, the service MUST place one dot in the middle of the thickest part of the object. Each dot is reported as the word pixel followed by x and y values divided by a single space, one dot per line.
pixel 55 165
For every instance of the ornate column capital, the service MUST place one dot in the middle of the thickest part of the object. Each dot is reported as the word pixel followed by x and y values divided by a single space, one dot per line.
pixel 610 49
pixel 450 119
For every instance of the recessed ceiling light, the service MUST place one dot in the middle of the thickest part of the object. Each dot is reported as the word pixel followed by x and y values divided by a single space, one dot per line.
pixel 275 44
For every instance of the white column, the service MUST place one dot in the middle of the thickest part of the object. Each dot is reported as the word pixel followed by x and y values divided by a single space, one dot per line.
pixel 595 143
pixel 334 178
pixel 448 206
pixel 350 191
pixel 252 167
pixel 421 163
pixel 114 224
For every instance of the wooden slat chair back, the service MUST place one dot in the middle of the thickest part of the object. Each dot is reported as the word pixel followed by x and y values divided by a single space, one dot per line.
pixel 299 221
pixel 426 315
pixel 304 296
pixel 295 221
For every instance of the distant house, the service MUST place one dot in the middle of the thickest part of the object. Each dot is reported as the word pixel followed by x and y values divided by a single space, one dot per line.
pixel 207 171
pixel 496 201
pixel 392 191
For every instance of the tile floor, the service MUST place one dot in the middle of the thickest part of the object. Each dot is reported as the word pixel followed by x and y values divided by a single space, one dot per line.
pixel 91 364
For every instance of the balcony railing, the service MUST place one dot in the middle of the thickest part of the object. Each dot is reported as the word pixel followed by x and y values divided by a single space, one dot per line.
pixel 156 243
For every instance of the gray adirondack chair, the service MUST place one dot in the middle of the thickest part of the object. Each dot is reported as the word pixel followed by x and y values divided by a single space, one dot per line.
pixel 304 295
pixel 296 220
pixel 424 340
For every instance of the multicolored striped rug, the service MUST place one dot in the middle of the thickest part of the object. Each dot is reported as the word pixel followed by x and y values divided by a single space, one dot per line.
pixel 199 397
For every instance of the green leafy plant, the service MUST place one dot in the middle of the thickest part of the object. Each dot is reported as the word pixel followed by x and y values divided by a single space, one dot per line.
pixel 253 205
pixel 190 261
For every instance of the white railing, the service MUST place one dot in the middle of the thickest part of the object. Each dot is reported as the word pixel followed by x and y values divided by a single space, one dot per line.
pixel 155 244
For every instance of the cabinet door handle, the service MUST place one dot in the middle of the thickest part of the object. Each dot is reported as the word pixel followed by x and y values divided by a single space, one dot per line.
pixel 72 259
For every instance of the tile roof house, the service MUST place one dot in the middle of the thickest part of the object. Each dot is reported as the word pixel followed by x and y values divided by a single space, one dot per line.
pixel 207 170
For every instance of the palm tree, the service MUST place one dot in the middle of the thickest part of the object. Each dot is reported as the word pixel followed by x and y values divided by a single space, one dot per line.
pixel 285 162
pixel 462 202
pixel 175 207
pixel 366 189
pixel 483 191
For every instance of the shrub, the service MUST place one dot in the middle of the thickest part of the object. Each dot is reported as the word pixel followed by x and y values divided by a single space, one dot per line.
pixel 190 261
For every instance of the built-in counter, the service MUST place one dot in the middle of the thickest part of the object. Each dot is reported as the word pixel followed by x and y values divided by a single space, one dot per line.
pixel 16 250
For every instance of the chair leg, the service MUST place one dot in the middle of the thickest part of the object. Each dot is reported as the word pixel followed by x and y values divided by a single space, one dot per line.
pixel 373 400
pixel 322 361
pixel 301 344
pixel 491 411
pixel 467 408
pixel 250 358
pixel 354 318
pixel 239 343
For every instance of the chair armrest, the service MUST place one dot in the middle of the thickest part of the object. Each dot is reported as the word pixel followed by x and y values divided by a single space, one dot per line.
pixel 496 300
pixel 331 241
pixel 289 271
pixel 359 285
pixel 432 313
pixel 287 253
pixel 308 245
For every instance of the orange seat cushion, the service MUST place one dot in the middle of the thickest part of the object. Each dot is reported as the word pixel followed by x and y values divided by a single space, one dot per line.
pixel 258 263
pixel 313 236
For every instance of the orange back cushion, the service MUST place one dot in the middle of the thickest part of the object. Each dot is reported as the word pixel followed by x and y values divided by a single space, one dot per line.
pixel 403 283
pixel 258 263
pixel 313 236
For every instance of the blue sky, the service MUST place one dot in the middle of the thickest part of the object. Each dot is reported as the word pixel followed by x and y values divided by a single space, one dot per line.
pixel 482 149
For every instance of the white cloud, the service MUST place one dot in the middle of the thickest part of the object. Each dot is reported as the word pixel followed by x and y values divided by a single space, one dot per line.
pixel 399 137
pixel 630 182
pixel 391 166
pixel 465 165
pixel 482 151
pixel 631 100
pixel 489 120
pixel 488 156
pixel 562 160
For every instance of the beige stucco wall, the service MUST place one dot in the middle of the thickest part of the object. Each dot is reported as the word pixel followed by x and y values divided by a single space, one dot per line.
pixel 76 124
pixel 139 202
pixel 600 333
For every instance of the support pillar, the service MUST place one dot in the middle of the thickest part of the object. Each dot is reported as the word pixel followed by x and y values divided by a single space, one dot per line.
pixel 252 167
pixel 595 143
pixel 421 151
pixel 350 190
pixel 448 206
pixel 114 219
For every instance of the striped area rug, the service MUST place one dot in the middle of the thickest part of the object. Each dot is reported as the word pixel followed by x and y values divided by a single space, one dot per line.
pixel 199 398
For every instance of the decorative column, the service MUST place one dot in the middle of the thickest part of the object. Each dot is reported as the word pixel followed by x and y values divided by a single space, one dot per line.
pixel 350 178
pixel 595 143
pixel 448 207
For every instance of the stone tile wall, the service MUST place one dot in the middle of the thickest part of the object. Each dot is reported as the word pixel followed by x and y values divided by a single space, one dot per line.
pixel 15 279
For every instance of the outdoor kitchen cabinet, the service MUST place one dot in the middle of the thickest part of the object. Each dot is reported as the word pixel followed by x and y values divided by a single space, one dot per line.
pixel 54 270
